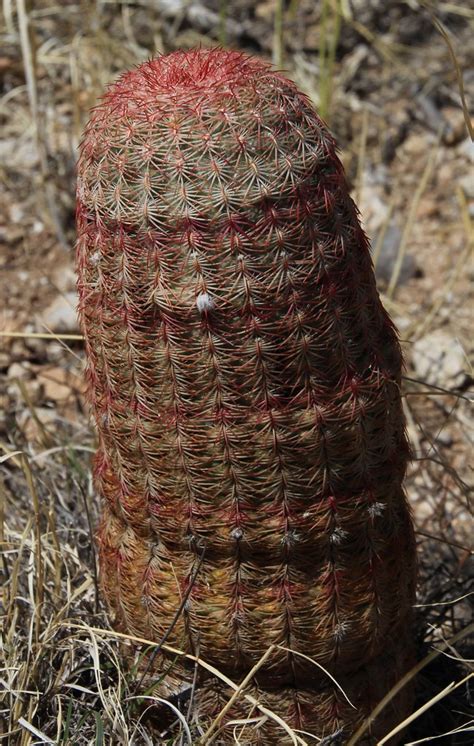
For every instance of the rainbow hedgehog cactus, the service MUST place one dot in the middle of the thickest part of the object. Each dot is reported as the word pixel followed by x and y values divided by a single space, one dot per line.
pixel 245 383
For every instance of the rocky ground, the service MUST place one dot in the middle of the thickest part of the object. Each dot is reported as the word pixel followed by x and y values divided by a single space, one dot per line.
pixel 391 95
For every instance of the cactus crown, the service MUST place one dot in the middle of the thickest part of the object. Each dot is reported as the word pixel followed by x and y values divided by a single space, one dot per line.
pixel 244 379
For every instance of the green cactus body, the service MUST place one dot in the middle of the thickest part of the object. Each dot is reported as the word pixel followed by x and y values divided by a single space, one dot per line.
pixel 244 379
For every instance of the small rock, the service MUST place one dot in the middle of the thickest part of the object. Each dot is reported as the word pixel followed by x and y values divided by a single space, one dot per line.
pixel 5 64
pixel 438 358
pixel 416 144
pixel 64 279
pixel 54 352
pixel 59 384
pixel 388 257
pixel 16 213
pixel 18 350
pixel 373 208
pixel 422 509
pixel 446 173
pixel 466 148
pixel 4 405
pixel 33 389
pixel 456 128
pixel 30 427
pixel 367 12
pixel 428 207
pixel 60 316
pixel 171 8
pixel 18 153
pixel 402 323
pixel 54 390
pixel 467 185
pixel 445 439
pixel 265 9
pixel 37 347
pixel 205 19
pixel 19 370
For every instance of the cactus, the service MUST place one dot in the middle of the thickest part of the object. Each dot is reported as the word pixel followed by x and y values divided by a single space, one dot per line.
pixel 244 379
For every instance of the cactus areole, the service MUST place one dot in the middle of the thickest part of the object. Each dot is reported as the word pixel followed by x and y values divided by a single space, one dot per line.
pixel 244 381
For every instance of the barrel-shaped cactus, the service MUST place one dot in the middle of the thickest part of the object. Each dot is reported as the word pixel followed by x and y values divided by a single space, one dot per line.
pixel 244 379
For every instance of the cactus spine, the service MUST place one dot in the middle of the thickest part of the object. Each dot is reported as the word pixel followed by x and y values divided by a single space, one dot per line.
pixel 244 380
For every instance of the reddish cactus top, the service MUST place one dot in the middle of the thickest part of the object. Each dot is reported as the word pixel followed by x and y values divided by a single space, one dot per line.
pixel 200 78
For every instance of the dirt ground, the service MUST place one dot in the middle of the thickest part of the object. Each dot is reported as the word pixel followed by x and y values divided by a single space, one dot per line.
pixel 386 75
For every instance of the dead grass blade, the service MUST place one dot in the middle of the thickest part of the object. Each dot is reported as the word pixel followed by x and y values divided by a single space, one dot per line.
pixel 173 622
pixel 331 19
pixel 34 731
pixel 218 719
pixel 318 665
pixel 441 28
pixel 422 184
pixel 405 679
pixel 361 156
pixel 454 544
pixel 171 706
pixel 40 335
pixel 37 551
pixel 447 690
pixel 278 55
pixel 29 64
pixel 444 603
pixel 466 728
pixel 207 666
pixel 436 389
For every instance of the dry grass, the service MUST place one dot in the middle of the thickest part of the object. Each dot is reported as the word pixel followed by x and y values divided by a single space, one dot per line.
pixel 65 676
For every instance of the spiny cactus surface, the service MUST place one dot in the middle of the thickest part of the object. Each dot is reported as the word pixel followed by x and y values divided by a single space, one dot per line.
pixel 244 379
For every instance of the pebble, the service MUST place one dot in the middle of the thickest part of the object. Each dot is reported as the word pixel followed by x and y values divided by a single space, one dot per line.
pixel 388 257
pixel 30 426
pixel 439 358
pixel 466 148
pixel 37 347
pixel 16 213
pixel 445 174
pixel 60 315
pixel 467 185
pixel 18 350
pixel 58 383
pixel 19 370
pixel 64 279
pixel 34 392
pixel 445 439
pixel 171 8
pixel 456 129
pixel 416 144
pixel 18 154
pixel 55 352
